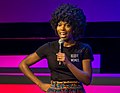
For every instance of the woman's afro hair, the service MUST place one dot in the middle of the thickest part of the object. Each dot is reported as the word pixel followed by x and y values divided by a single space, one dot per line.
pixel 72 15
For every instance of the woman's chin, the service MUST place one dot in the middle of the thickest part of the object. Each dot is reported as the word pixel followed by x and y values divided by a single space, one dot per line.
pixel 64 38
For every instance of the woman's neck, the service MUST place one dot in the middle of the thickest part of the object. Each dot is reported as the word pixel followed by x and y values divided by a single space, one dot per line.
pixel 69 43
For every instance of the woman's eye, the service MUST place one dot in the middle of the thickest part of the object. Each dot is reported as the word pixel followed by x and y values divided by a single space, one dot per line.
pixel 68 25
pixel 59 24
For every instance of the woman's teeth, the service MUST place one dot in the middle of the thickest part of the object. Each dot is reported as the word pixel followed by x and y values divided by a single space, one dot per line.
pixel 62 33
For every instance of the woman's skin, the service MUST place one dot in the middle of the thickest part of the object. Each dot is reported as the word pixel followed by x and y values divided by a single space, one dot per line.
pixel 24 66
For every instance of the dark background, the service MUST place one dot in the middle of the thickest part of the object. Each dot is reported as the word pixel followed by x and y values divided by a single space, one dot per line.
pixel 25 38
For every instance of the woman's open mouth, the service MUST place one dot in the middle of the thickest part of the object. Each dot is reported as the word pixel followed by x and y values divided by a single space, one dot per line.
pixel 63 34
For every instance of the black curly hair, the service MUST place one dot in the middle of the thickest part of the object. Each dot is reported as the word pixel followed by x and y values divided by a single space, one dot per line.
pixel 72 15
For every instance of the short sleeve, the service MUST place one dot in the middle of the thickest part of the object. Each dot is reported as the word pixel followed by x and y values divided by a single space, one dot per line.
pixel 43 50
pixel 88 54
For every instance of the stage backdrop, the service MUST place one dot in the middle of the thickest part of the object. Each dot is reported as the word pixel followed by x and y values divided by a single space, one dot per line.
pixel 40 10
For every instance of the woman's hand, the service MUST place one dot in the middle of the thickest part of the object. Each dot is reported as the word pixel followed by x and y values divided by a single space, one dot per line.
pixel 44 86
pixel 61 57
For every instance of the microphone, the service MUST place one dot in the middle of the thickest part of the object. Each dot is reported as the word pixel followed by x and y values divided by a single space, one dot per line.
pixel 61 42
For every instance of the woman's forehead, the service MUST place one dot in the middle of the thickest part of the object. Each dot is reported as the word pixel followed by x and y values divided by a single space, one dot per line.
pixel 63 22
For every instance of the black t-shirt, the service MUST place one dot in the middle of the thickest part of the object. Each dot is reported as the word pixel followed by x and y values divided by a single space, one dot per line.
pixel 75 55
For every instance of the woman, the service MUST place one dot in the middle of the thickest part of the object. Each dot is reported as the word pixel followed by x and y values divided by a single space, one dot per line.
pixel 71 67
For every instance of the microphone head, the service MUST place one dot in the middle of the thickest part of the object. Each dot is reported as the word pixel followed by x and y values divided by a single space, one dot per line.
pixel 61 41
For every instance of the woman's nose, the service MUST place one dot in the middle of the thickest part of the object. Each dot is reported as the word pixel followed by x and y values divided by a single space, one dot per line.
pixel 62 27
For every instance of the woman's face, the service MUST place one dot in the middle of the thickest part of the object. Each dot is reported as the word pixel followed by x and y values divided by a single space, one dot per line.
pixel 64 30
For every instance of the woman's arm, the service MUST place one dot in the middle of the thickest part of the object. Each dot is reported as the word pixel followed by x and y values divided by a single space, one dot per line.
pixel 84 75
pixel 24 67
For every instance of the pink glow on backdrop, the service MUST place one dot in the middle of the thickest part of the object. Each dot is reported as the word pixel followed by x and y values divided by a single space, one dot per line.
pixel 32 88
pixel 21 74
pixel 48 74
pixel 14 60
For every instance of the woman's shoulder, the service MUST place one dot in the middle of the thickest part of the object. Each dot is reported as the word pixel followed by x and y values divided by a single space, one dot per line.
pixel 52 43
pixel 48 45
pixel 84 45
